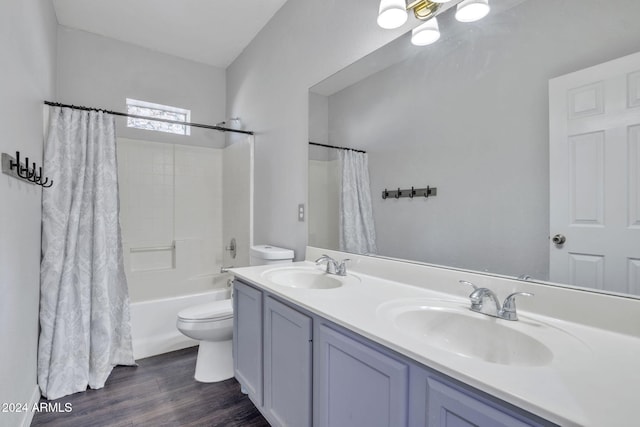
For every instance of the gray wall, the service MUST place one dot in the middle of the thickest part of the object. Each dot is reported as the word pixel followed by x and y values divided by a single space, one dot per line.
pixel 100 72
pixel 469 115
pixel 267 85
pixel 28 46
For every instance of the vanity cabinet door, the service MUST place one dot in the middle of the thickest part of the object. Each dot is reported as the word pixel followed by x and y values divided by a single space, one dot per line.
pixel 247 339
pixel 287 365
pixel 437 403
pixel 358 385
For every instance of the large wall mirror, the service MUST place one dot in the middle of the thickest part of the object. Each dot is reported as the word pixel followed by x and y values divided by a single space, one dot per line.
pixel 470 115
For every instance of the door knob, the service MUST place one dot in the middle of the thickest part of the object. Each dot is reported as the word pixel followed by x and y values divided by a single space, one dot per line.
pixel 558 239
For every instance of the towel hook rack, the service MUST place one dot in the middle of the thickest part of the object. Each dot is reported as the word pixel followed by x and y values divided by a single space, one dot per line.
pixel 410 193
pixel 13 167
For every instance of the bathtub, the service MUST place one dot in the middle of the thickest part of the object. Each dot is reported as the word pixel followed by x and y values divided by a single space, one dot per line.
pixel 153 322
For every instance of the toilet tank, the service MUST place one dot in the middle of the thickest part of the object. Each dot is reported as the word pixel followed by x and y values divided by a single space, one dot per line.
pixel 267 254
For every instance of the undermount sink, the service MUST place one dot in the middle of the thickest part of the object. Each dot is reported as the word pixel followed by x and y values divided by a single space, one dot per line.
pixel 307 278
pixel 452 327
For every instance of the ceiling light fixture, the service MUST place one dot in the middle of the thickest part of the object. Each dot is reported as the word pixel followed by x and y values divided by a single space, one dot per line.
pixel 393 14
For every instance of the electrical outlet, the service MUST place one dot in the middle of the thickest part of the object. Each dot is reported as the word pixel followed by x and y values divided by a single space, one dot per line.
pixel 301 212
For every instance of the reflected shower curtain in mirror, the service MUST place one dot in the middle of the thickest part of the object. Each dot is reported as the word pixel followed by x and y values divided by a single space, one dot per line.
pixel 84 301
pixel 357 231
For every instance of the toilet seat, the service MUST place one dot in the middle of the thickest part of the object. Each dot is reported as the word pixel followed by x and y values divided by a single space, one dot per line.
pixel 215 310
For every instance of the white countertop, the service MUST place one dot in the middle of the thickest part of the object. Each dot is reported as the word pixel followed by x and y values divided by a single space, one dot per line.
pixel 592 380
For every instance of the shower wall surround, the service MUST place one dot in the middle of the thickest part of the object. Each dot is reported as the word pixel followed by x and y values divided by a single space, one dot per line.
pixel 171 215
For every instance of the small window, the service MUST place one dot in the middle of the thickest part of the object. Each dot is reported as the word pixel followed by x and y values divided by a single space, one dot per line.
pixel 151 110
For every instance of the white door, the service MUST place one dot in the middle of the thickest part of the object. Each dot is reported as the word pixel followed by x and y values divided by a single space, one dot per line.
pixel 594 124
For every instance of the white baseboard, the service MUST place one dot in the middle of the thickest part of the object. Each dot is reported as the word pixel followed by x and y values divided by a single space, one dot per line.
pixel 28 415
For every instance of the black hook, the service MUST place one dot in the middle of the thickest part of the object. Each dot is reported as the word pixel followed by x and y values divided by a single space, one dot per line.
pixel 20 170
pixel 30 174
pixel 34 175
pixel 398 193
pixel 38 177
pixel 412 193
pixel 427 192
pixel 17 162
pixel 39 180
pixel 385 194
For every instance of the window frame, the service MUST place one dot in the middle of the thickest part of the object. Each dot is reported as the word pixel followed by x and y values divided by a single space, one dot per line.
pixel 159 126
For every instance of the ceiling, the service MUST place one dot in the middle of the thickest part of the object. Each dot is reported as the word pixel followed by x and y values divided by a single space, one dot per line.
pixel 213 32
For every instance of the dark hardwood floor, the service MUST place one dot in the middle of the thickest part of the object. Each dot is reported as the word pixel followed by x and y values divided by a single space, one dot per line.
pixel 160 391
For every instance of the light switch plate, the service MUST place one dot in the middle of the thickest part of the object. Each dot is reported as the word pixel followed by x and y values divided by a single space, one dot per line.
pixel 301 212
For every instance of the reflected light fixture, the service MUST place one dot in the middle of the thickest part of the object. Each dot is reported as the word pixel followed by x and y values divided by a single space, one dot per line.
pixel 472 10
pixel 393 14
pixel 426 33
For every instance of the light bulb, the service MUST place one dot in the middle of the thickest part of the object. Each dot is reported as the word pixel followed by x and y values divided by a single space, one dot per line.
pixel 472 10
pixel 392 13
pixel 426 33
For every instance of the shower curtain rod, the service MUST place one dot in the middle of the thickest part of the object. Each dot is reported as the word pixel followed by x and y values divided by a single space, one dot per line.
pixel 135 116
pixel 336 147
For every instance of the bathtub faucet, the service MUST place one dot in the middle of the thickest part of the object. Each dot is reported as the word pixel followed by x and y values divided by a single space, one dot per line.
pixel 225 269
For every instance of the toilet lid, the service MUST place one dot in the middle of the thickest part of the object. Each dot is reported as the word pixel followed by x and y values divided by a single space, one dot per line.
pixel 221 309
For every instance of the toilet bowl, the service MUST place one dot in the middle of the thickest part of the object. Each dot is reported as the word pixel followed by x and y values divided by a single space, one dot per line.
pixel 212 325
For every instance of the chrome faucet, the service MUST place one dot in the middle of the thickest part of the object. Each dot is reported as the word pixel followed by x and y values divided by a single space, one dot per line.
pixel 333 266
pixel 477 298
pixel 506 311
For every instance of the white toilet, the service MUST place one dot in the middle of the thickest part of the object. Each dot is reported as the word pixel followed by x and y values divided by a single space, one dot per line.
pixel 212 323
pixel 267 254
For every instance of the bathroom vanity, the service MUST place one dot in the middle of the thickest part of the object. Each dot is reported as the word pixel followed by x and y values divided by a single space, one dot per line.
pixel 394 344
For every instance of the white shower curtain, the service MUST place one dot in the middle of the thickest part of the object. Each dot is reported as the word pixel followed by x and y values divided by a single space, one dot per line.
pixel 84 302
pixel 357 231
